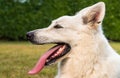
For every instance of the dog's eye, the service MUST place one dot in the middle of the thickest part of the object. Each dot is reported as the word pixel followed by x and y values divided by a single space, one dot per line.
pixel 58 26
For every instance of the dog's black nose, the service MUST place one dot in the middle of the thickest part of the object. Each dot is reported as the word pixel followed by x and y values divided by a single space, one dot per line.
pixel 30 35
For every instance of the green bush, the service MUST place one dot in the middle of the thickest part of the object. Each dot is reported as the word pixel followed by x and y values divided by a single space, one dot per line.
pixel 17 18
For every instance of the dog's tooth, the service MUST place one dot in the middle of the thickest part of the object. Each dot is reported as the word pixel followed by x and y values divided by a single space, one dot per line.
pixel 58 52
pixel 47 60
pixel 55 54
pixel 60 49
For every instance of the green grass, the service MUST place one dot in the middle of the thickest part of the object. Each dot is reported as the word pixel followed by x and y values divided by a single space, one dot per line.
pixel 17 58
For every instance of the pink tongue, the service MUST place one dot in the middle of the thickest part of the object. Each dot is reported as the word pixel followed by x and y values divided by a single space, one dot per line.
pixel 41 63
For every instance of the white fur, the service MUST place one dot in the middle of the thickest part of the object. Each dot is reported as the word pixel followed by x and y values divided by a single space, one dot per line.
pixel 91 56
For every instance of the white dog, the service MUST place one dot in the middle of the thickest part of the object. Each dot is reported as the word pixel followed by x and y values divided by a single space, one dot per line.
pixel 82 49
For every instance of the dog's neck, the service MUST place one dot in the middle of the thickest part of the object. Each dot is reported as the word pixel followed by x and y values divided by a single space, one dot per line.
pixel 83 58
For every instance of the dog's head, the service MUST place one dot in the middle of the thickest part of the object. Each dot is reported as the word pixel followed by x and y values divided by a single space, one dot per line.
pixel 68 28
pixel 66 31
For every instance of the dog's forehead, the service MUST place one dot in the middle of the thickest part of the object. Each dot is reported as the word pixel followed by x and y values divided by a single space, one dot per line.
pixel 62 20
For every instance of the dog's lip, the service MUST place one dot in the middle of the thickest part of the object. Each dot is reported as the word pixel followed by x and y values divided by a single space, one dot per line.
pixel 43 60
pixel 42 43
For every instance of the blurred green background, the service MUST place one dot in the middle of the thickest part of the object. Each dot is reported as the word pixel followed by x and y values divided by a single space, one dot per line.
pixel 20 16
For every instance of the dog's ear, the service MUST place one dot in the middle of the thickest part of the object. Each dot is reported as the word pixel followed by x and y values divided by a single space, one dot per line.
pixel 94 14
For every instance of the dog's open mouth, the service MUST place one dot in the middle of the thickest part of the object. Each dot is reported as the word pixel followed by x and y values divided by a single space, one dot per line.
pixel 51 56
